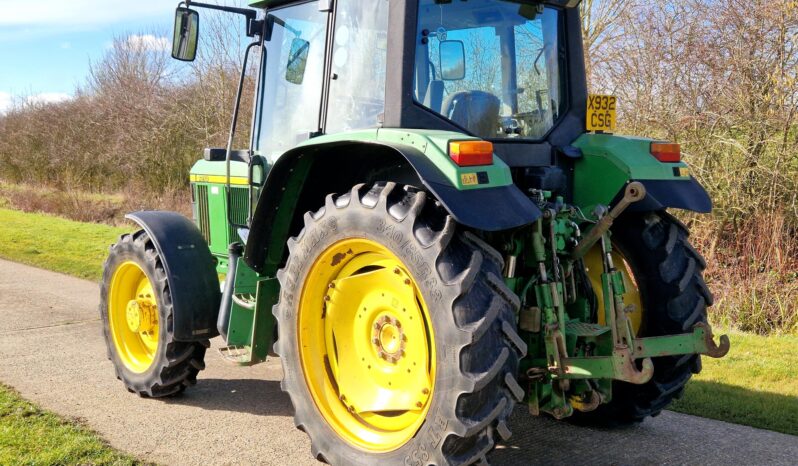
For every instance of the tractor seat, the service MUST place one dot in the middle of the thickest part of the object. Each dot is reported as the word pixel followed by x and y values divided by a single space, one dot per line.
pixel 476 111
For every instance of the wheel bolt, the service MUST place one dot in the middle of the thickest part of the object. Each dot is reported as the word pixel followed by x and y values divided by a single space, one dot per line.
pixel 331 285
pixel 407 281
pixel 425 391
pixel 397 271
pixel 419 404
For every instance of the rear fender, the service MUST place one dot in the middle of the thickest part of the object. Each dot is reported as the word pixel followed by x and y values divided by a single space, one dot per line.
pixel 190 269
pixel 301 178
pixel 608 163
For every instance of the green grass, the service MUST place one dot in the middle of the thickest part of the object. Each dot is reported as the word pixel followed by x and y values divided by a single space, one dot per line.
pixel 756 384
pixel 55 243
pixel 31 436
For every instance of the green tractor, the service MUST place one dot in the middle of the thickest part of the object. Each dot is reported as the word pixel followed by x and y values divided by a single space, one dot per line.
pixel 432 224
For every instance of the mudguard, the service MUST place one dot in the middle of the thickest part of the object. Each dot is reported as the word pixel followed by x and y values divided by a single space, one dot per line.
pixel 190 269
pixel 607 163
pixel 662 194
pixel 495 206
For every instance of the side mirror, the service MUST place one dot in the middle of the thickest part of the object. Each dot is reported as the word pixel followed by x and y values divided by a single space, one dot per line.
pixel 452 60
pixel 184 41
pixel 297 61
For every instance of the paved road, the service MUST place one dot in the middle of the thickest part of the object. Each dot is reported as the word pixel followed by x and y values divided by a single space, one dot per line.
pixel 52 351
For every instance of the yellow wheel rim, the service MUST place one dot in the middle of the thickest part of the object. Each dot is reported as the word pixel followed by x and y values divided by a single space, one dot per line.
pixel 595 267
pixel 366 345
pixel 133 317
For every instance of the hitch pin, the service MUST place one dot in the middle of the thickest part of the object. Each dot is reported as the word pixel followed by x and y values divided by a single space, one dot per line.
pixel 635 192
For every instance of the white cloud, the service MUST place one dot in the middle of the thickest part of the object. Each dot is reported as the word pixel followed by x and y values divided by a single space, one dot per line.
pixel 8 100
pixel 78 12
pixel 148 42
pixel 48 98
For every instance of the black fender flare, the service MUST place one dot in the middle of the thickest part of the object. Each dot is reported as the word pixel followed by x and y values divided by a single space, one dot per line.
pixel 190 269
pixel 675 194
pixel 489 209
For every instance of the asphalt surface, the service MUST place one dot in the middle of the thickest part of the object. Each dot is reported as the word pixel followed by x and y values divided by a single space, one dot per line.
pixel 52 351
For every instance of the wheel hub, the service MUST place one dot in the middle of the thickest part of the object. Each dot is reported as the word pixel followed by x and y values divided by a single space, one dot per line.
pixel 389 339
pixel 140 316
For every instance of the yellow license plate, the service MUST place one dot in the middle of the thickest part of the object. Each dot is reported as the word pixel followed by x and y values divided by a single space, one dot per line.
pixel 602 113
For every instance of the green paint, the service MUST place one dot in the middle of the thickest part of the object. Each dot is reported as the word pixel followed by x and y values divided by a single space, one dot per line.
pixel 610 161
pixel 242 319
pixel 205 167
pixel 435 145
pixel 210 205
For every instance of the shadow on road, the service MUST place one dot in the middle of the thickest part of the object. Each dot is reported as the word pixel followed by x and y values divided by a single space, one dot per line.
pixel 252 396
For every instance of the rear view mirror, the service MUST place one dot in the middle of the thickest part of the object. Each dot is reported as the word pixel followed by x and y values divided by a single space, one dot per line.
pixel 184 41
pixel 452 60
pixel 297 61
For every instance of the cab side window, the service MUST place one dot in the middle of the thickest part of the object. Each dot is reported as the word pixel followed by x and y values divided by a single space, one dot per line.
pixel 293 76
pixel 359 51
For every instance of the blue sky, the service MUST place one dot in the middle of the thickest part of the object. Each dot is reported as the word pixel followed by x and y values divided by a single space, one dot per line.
pixel 46 46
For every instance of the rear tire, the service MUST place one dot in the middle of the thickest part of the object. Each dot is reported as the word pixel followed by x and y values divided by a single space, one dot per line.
pixel 669 273
pixel 171 366
pixel 471 313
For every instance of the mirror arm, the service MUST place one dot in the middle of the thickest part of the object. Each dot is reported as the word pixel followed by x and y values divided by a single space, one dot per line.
pixel 233 125
pixel 252 27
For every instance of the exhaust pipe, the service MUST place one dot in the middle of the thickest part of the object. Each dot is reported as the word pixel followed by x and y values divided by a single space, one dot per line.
pixel 223 321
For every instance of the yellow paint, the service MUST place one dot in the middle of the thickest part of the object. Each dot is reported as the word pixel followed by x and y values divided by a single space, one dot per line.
pixel 595 267
pixel 366 345
pixel 684 171
pixel 133 317
pixel 469 179
pixel 218 179
pixel 602 113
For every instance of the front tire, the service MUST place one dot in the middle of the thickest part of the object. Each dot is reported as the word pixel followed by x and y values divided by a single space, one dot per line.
pixel 371 242
pixel 136 310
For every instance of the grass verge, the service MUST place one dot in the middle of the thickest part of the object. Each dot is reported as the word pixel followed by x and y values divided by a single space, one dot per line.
pixel 55 243
pixel 756 384
pixel 29 435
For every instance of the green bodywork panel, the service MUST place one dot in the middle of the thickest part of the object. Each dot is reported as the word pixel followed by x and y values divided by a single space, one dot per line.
pixel 608 162
pixel 252 327
pixel 208 183
pixel 434 145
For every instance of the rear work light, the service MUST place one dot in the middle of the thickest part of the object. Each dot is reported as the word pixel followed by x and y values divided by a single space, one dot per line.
pixel 666 152
pixel 471 153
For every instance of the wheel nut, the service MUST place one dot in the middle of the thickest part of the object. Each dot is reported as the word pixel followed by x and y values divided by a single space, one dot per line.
pixel 397 271
pixel 419 404
pixel 425 391
pixel 407 281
